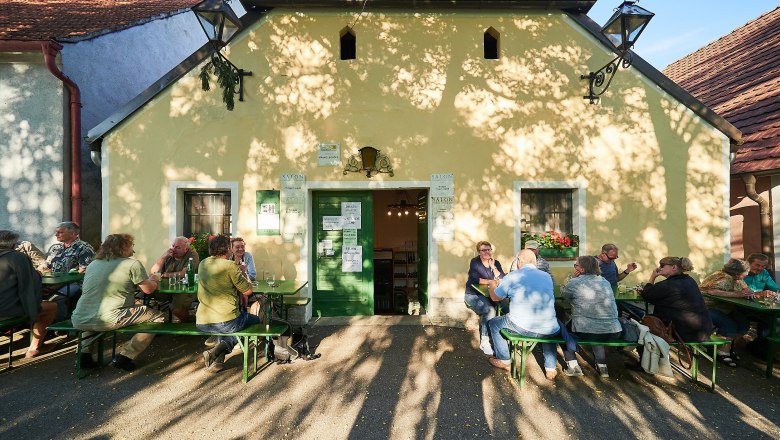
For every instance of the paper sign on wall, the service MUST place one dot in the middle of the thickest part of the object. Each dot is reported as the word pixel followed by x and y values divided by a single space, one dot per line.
pixel 350 211
pixel 352 259
pixel 328 155
pixel 350 237
pixel 293 208
pixel 267 212
pixel 442 201
pixel 332 222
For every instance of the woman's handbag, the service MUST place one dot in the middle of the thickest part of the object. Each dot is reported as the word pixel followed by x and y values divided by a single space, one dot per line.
pixel 668 334
pixel 659 328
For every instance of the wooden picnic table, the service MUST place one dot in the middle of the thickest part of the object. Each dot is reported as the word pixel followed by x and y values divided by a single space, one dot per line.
pixel 763 306
pixel 278 292
pixel 61 278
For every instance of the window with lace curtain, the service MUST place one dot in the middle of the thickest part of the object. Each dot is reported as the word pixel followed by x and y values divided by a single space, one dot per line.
pixel 206 212
pixel 547 210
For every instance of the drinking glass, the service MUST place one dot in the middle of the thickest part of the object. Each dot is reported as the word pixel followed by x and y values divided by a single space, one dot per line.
pixel 270 279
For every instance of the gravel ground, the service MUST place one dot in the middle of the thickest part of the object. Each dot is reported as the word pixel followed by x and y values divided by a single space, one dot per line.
pixel 373 382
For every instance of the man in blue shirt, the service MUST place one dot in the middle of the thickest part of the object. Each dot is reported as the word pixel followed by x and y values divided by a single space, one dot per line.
pixel 607 257
pixel 531 311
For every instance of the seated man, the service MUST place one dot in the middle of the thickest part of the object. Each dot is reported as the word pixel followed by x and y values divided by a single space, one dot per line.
pixel 760 281
pixel 531 311
pixel 243 258
pixel 108 301
pixel 70 253
pixel 20 292
pixel 173 263
pixel 223 292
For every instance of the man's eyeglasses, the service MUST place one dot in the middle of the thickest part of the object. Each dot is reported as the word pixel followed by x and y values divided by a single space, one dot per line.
pixel 486 250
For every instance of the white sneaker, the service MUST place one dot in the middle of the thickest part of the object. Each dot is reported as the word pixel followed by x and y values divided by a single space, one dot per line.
pixel 573 371
pixel 211 341
pixel 485 347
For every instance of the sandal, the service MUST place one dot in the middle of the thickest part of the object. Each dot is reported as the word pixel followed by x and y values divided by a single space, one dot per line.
pixel 726 359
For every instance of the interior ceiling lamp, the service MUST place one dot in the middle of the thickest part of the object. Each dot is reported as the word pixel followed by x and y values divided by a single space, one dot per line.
pixel 403 209
pixel 622 30
pixel 370 160
pixel 220 24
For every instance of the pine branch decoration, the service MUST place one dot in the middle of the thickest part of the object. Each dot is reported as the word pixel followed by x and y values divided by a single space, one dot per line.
pixel 227 78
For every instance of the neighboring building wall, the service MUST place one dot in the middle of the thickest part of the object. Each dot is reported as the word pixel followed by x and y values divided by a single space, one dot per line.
pixel 31 139
pixel 112 69
pixel 746 217
pixel 654 175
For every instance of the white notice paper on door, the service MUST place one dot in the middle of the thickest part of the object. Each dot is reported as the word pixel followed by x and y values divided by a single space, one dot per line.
pixel 332 222
pixel 352 259
pixel 350 211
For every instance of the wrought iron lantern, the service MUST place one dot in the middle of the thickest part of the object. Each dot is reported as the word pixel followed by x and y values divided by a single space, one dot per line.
pixel 220 24
pixel 622 30
pixel 370 160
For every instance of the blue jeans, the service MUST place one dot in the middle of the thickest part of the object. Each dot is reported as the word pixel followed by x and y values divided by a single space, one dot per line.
pixel 731 324
pixel 501 346
pixel 243 320
pixel 482 306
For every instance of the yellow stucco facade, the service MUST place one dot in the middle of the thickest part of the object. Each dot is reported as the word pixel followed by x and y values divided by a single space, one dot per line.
pixel 649 174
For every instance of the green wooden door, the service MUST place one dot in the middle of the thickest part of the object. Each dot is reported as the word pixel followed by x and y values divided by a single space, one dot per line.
pixel 422 249
pixel 336 292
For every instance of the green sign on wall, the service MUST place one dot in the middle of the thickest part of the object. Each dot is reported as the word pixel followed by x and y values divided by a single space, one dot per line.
pixel 268 212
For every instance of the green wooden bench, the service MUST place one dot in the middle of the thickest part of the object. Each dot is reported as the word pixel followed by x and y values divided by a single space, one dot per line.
pixel 12 325
pixel 247 338
pixel 524 345
pixel 773 342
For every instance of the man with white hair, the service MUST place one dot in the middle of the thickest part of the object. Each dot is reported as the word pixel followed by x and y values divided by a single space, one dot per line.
pixel 531 311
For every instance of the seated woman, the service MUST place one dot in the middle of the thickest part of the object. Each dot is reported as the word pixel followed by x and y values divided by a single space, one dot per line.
pixel 482 270
pixel 108 300
pixel 677 299
pixel 730 322
pixel 223 293
pixel 594 313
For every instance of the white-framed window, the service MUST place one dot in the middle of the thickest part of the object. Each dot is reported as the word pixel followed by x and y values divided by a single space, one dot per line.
pixel 550 206
pixel 197 206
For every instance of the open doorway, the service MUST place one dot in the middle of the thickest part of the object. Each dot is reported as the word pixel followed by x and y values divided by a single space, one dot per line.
pixel 399 228
pixel 371 252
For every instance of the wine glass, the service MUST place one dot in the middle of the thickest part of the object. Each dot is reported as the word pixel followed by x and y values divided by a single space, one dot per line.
pixel 270 279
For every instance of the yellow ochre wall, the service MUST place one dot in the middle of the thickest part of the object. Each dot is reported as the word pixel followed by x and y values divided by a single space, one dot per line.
pixel 420 91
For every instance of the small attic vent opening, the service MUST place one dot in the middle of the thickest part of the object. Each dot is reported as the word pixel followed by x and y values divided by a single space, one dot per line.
pixel 347 44
pixel 491 44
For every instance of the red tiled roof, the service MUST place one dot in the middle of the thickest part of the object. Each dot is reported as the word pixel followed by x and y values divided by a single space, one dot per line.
pixel 60 19
pixel 738 76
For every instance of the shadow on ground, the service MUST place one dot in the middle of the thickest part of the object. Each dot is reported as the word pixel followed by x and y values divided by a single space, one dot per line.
pixel 373 382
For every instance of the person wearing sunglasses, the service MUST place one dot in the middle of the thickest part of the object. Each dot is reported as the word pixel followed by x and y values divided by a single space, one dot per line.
pixel 609 270
pixel 677 299
pixel 482 270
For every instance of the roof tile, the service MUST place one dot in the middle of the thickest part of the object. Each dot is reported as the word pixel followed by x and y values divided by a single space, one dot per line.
pixel 63 19
pixel 738 76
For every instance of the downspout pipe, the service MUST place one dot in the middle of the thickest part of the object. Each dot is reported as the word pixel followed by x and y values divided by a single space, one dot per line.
pixel 766 220
pixel 50 49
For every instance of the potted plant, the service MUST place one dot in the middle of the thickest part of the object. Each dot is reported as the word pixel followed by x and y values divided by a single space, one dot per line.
pixel 200 243
pixel 554 245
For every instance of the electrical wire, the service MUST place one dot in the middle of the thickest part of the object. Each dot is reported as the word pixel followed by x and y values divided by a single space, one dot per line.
pixel 359 15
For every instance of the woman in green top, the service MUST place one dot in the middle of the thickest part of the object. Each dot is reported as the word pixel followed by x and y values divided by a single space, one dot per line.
pixel 223 293
pixel 108 300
